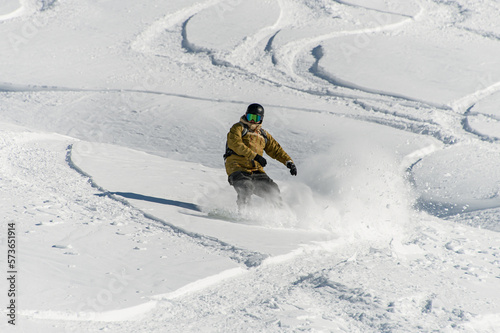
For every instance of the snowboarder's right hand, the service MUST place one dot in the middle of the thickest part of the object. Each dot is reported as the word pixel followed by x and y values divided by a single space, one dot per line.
pixel 293 169
pixel 262 161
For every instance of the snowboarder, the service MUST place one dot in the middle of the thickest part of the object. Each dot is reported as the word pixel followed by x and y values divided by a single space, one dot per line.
pixel 246 143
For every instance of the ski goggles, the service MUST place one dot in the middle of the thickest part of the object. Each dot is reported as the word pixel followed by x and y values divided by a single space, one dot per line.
pixel 255 117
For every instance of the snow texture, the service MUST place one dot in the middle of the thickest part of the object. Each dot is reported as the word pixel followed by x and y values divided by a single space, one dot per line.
pixel 114 117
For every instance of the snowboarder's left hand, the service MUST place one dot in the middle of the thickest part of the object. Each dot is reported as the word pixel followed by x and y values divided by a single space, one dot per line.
pixel 293 169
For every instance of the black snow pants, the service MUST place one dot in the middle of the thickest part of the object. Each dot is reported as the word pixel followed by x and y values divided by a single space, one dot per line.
pixel 257 183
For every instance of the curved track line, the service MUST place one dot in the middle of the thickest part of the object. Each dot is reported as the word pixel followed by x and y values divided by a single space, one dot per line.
pixel 468 128
pixel 240 255
pixel 463 104
pixel 17 12
pixel 388 118
pixel 242 55
pixel 287 54
pixel 292 49
pixel 145 39
pixel 369 8
pixel 284 58
pixel 317 71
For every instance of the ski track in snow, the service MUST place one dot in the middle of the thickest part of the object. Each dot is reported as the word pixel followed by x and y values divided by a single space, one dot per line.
pixel 45 211
pixel 286 56
pixel 17 12
pixel 248 258
pixel 144 40
pixel 274 297
pixel 285 60
pixel 268 306
pixel 288 53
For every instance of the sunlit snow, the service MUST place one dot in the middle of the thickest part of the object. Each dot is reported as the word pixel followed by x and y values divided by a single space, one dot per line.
pixel 114 117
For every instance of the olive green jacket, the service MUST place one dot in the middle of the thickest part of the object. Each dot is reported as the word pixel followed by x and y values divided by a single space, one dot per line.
pixel 246 147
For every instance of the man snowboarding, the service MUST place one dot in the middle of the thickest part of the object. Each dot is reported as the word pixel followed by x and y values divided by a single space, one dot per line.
pixel 246 143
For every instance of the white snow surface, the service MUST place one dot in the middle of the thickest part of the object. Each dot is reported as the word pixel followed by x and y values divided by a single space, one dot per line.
pixel 114 117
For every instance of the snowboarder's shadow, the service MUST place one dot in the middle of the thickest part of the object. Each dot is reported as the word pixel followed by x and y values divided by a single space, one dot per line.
pixel 135 196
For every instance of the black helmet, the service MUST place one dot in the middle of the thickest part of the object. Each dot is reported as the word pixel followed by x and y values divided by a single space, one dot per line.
pixel 255 109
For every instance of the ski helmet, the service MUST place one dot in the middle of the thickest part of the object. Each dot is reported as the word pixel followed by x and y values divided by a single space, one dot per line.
pixel 255 109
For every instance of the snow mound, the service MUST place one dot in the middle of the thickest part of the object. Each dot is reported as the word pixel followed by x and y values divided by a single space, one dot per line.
pixel 461 178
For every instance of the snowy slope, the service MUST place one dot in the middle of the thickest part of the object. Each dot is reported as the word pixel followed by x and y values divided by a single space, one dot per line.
pixel 114 120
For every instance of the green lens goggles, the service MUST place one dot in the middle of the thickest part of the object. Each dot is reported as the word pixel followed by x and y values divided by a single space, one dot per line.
pixel 254 117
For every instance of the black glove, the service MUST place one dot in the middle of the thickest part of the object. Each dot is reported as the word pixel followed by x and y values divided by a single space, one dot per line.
pixel 262 161
pixel 293 169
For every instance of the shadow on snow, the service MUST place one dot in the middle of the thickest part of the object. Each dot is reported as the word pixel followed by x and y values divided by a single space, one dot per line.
pixel 135 196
